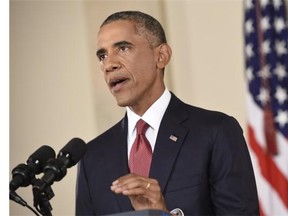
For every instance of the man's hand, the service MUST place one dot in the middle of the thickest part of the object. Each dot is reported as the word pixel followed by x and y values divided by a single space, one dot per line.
pixel 144 193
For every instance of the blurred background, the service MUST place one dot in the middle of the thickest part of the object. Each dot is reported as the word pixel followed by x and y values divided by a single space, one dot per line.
pixel 57 90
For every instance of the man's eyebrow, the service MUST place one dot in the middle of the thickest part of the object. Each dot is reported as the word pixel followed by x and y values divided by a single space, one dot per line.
pixel 100 51
pixel 123 43
pixel 117 44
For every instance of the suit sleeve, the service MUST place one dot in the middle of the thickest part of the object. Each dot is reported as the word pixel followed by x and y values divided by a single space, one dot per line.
pixel 83 198
pixel 232 182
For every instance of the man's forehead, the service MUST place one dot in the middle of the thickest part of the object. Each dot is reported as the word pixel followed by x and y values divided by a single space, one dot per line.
pixel 120 26
pixel 115 31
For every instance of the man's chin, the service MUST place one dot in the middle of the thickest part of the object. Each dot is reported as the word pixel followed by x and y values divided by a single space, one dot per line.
pixel 123 100
pixel 122 103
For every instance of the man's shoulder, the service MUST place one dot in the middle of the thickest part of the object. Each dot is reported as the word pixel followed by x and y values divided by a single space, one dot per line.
pixel 110 133
pixel 199 114
pixel 194 109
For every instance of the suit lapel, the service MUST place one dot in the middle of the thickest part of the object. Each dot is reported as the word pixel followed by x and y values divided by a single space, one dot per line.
pixel 123 201
pixel 170 138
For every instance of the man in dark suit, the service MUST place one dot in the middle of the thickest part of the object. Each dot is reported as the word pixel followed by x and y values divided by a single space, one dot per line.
pixel 200 162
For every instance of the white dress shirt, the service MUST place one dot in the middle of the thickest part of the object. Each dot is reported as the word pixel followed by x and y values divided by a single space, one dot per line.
pixel 152 117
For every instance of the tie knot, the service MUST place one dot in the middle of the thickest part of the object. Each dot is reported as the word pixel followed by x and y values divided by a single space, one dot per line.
pixel 142 127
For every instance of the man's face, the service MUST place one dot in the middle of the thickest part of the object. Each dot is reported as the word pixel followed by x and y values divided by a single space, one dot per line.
pixel 129 65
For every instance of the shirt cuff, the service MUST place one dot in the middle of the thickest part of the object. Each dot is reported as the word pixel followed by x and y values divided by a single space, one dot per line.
pixel 177 211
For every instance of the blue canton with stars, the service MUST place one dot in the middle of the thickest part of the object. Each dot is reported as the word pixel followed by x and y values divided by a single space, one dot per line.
pixel 266 54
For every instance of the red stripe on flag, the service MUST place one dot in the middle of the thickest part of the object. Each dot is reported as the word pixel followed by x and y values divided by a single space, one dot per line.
pixel 269 169
pixel 261 209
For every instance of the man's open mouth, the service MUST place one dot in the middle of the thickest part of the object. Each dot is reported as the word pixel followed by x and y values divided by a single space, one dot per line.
pixel 115 82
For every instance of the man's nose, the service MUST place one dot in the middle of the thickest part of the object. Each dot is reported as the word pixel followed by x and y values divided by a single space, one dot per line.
pixel 111 64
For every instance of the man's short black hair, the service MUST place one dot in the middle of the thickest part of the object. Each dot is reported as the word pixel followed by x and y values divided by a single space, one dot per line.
pixel 145 24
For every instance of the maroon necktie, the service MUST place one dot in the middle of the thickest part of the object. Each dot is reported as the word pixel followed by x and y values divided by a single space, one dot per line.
pixel 141 152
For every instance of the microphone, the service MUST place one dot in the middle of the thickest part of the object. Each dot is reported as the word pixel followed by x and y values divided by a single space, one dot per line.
pixel 24 174
pixel 55 169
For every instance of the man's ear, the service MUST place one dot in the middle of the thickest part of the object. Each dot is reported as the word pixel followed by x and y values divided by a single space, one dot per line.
pixel 164 55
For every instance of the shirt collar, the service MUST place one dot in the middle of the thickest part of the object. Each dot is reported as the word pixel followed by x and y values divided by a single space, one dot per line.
pixel 153 115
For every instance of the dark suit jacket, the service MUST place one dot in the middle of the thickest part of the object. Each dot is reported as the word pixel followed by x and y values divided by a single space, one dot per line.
pixel 206 171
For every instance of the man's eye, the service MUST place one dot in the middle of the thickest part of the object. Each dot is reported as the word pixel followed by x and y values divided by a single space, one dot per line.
pixel 101 57
pixel 123 48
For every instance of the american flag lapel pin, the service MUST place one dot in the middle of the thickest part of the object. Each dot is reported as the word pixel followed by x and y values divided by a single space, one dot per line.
pixel 173 138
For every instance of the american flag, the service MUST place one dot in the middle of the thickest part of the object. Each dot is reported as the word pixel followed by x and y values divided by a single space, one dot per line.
pixel 266 59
